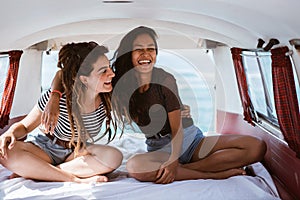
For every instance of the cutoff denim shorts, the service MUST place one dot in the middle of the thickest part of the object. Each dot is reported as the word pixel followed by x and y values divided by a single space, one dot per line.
pixel 57 153
pixel 192 136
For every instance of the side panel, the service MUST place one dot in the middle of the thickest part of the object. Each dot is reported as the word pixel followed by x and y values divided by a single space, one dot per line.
pixel 11 121
pixel 280 160
pixel 227 95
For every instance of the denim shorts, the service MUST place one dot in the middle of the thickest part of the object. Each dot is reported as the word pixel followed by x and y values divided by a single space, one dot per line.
pixel 57 153
pixel 192 136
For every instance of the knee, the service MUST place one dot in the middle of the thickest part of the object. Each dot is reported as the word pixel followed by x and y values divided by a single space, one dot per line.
pixel 108 156
pixel 133 165
pixel 144 167
pixel 117 158
pixel 135 169
pixel 259 148
pixel 262 149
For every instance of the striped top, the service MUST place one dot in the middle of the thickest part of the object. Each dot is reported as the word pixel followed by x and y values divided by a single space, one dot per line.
pixel 92 121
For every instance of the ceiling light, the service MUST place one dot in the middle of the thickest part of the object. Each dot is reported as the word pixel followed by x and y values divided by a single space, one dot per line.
pixel 117 1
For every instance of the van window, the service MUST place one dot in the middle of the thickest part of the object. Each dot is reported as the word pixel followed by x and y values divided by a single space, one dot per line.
pixel 49 68
pixel 193 84
pixel 4 63
pixel 258 69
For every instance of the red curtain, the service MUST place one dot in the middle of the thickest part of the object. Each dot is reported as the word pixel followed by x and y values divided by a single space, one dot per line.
pixel 9 88
pixel 286 102
pixel 242 83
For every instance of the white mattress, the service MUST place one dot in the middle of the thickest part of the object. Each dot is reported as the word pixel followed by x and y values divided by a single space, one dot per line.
pixel 122 187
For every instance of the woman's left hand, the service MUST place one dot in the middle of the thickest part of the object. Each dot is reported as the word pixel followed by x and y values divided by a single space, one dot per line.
pixel 50 115
pixel 186 112
pixel 167 172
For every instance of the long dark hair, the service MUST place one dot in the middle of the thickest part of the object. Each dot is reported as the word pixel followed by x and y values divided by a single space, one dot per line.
pixel 122 65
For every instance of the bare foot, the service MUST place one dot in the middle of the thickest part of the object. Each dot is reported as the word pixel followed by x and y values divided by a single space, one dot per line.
pixel 227 173
pixel 92 179
pixel 14 175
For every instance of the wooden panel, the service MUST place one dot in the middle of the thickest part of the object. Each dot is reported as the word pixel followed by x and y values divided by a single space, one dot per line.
pixel 280 160
pixel 11 121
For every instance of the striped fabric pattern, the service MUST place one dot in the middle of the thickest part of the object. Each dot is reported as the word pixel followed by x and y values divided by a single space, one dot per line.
pixel 92 121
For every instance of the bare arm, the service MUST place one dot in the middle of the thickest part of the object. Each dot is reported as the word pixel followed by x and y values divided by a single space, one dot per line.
pixel 167 172
pixel 177 133
pixel 50 115
pixel 19 130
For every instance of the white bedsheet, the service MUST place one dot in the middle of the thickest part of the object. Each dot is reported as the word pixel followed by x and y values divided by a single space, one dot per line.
pixel 122 187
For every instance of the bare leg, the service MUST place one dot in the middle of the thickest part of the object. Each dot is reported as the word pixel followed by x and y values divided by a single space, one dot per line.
pixel 219 153
pixel 14 175
pixel 144 167
pixel 96 159
pixel 188 174
pixel 39 167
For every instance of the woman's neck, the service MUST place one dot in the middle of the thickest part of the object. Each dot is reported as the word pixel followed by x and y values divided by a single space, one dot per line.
pixel 144 81
pixel 90 102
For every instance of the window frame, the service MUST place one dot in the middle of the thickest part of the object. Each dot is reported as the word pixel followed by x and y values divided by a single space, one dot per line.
pixel 267 121
pixel 267 94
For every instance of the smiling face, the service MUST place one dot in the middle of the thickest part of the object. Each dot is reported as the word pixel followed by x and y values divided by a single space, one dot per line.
pixel 100 78
pixel 144 53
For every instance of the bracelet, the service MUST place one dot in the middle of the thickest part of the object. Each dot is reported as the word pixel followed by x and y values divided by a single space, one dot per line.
pixel 58 92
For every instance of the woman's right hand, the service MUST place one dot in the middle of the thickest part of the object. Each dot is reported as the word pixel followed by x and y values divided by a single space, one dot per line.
pixel 50 115
pixel 167 172
pixel 7 142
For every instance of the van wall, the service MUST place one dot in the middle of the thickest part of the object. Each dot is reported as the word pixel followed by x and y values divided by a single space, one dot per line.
pixel 28 86
pixel 227 93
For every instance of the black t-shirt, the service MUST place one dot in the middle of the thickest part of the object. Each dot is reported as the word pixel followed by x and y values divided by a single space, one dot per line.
pixel 150 109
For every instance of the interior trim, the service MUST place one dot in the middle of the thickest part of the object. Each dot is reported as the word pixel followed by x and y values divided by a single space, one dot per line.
pixel 280 160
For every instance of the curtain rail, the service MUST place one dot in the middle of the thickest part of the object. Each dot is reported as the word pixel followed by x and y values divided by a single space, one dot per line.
pixel 289 53
pixel 4 54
